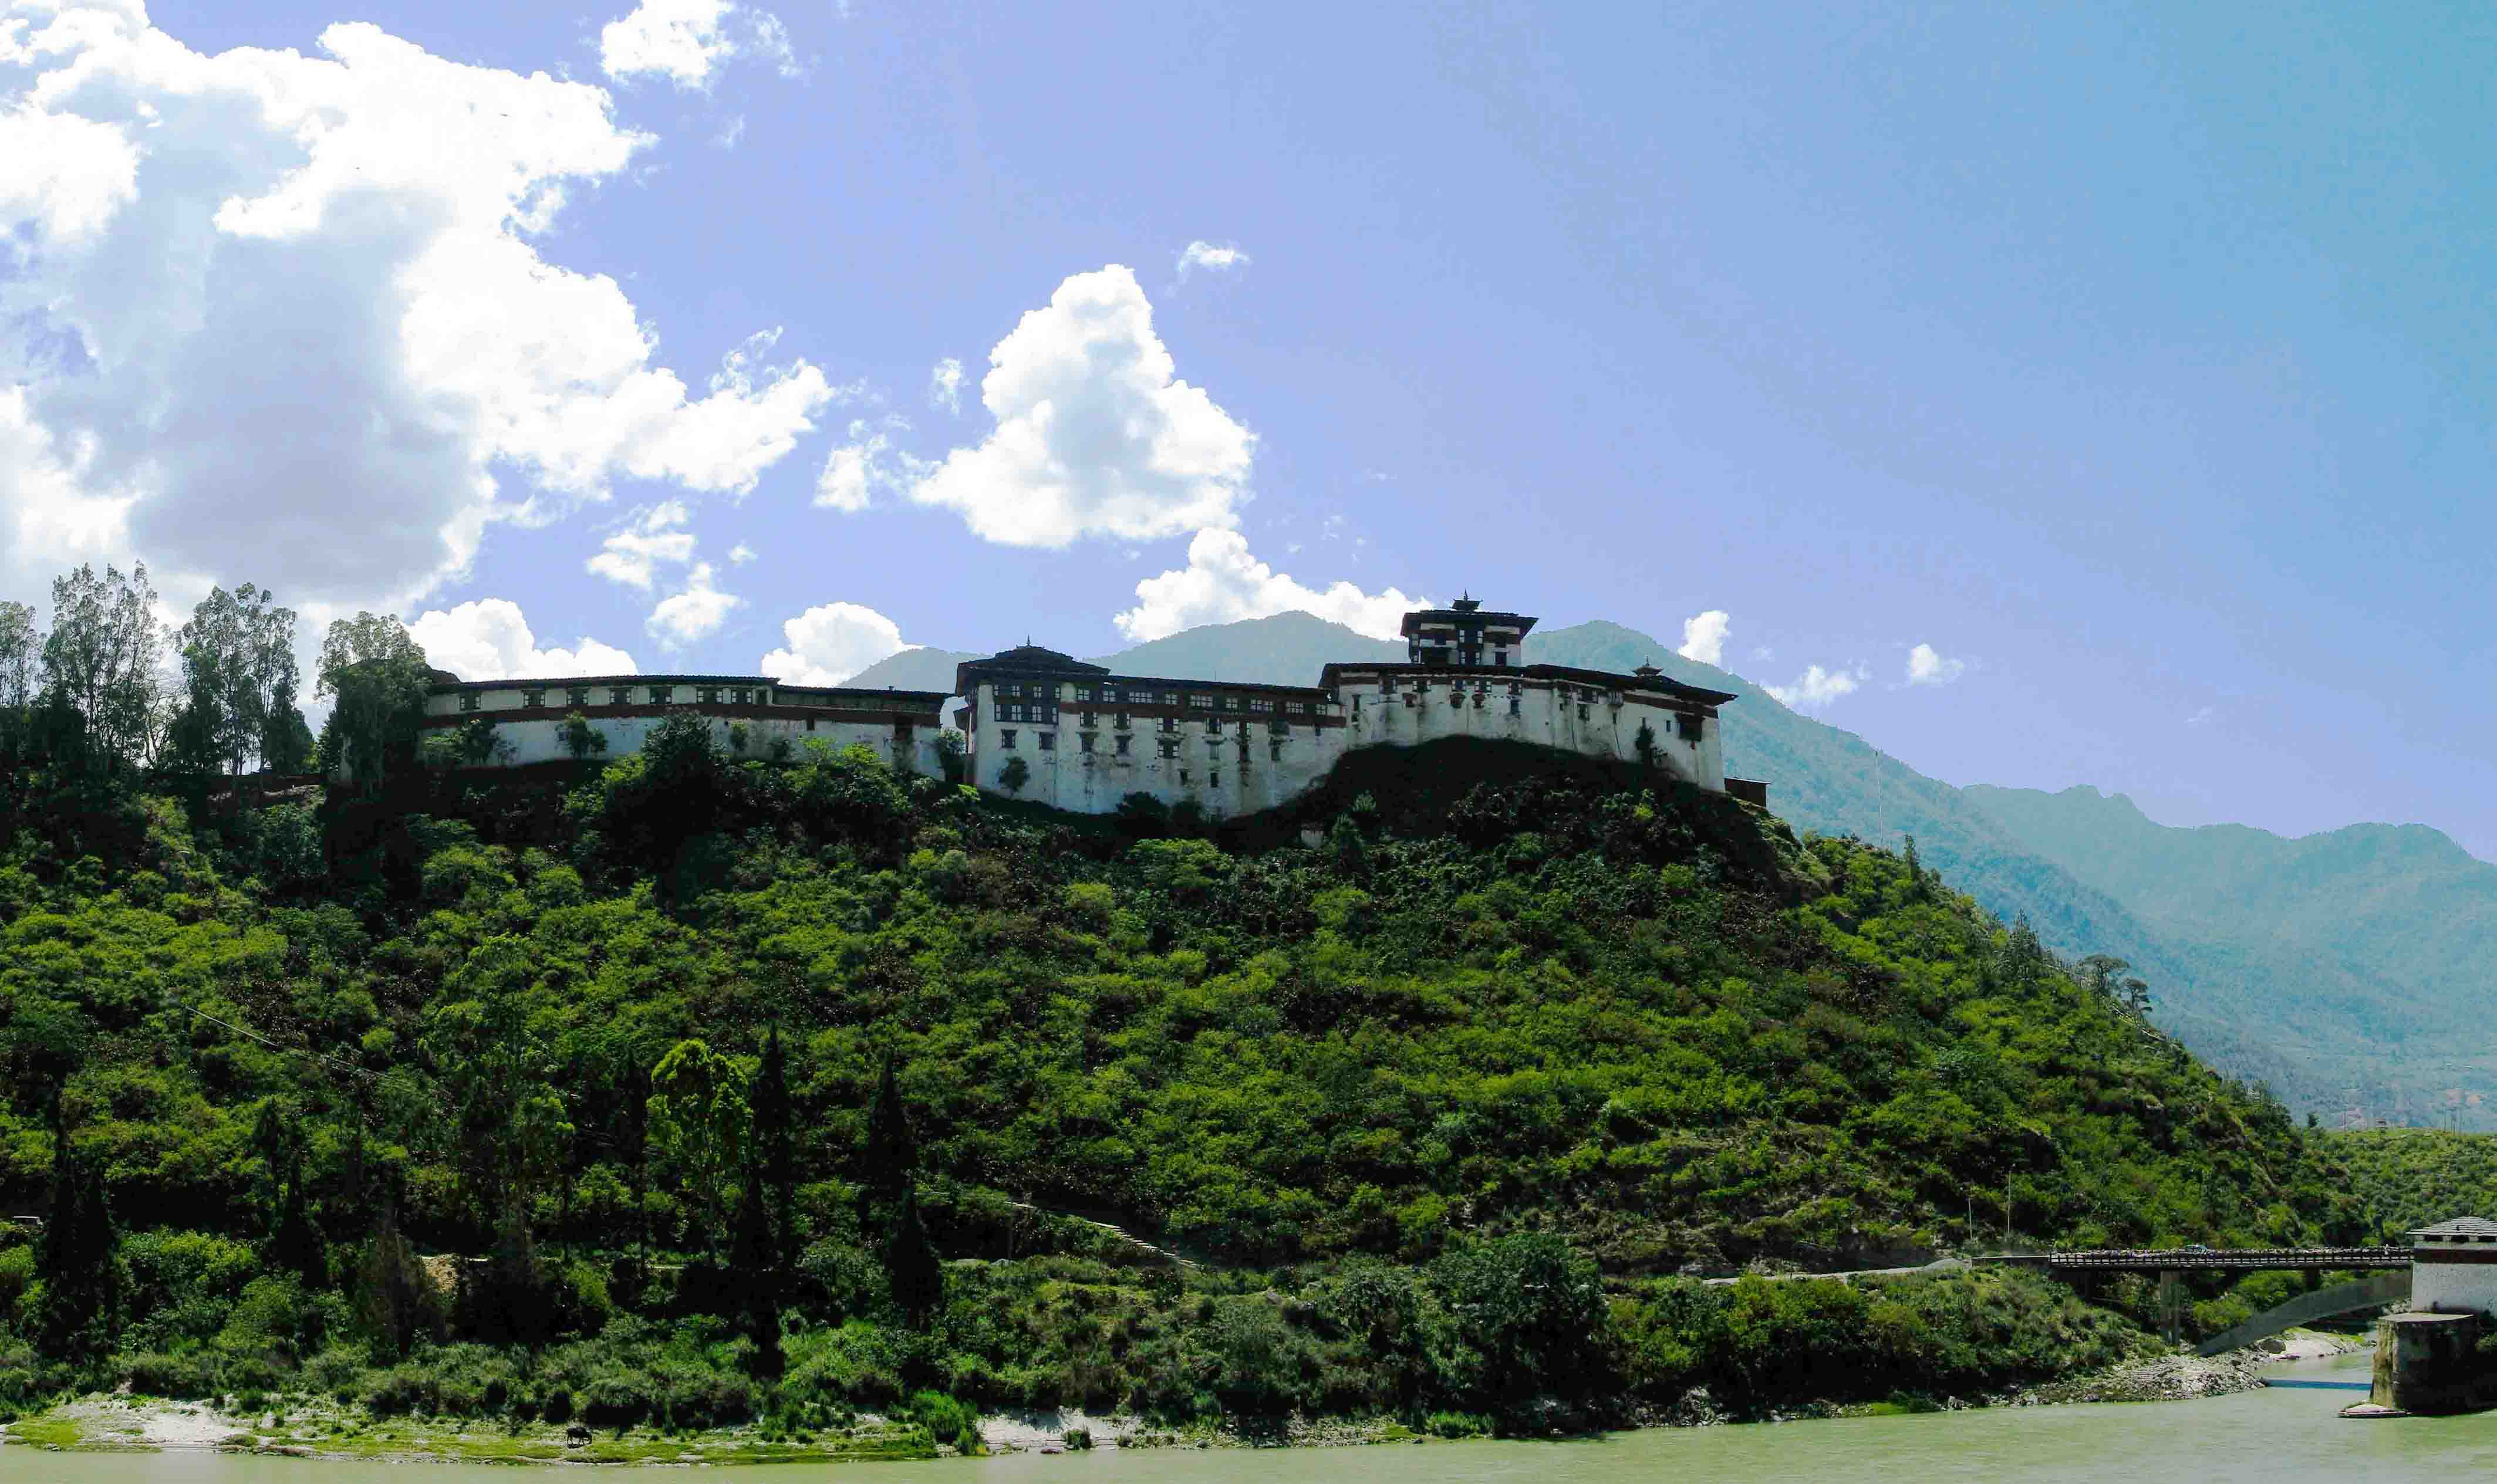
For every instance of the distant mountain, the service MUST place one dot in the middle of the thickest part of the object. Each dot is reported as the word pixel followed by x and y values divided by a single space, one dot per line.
pixel 2386 933
pixel 913 670
pixel 1285 649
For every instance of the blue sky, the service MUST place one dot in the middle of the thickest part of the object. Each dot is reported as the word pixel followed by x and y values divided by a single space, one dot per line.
pixel 2136 361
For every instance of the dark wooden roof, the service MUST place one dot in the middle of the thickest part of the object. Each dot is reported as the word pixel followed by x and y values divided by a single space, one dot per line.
pixel 1602 678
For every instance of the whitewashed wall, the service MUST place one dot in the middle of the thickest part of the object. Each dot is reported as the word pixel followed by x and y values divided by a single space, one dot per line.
pixel 1064 777
pixel 541 740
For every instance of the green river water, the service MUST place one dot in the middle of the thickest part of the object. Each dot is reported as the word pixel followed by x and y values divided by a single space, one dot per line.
pixel 2276 1436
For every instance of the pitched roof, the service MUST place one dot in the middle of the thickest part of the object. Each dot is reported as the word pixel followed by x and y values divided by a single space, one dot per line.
pixel 2460 1227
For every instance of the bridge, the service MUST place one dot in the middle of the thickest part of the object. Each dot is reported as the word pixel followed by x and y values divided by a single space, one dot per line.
pixel 2196 1259
pixel 2390 1282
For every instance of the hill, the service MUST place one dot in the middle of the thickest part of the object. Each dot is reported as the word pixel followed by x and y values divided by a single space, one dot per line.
pixel 2323 967
pixel 1440 1107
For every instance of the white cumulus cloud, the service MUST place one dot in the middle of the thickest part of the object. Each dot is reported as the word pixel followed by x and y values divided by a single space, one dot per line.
pixel 688 41
pixel 828 643
pixel 1816 688
pixel 488 640
pixel 1703 637
pixel 653 538
pixel 1927 668
pixel 1094 434
pixel 694 612
pixel 740 554
pixel 1222 583
pixel 945 386
pixel 284 318
pixel 1213 257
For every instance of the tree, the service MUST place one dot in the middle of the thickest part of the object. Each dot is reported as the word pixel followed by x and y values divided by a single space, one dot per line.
pixel 239 649
pixel 910 1264
pixel 582 740
pixel 775 1119
pixel 21 656
pixel 294 1243
pixel 497 1071
pixel 1644 744
pixel 479 743
pixel 755 1275
pixel 78 1261
pixel 285 738
pixel 377 673
pixel 394 1296
pixel 891 1154
pixel 104 654
pixel 699 1121
pixel 1014 775
pixel 953 755
pixel 2101 972
pixel 1918 887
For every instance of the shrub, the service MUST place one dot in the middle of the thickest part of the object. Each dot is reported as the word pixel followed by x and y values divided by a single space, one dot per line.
pixel 1079 1438
pixel 946 1419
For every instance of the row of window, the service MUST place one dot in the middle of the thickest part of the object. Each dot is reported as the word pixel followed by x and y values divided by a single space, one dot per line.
pixel 1047 741
pixel 623 695
pixel 1136 695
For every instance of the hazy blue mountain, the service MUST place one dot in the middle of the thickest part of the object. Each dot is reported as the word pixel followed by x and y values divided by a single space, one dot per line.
pixel 913 670
pixel 2389 930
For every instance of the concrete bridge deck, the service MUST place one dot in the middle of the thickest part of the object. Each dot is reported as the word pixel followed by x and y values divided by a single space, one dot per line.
pixel 2189 1259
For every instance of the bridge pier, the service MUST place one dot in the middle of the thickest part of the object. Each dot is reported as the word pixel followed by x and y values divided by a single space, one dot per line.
pixel 2172 1299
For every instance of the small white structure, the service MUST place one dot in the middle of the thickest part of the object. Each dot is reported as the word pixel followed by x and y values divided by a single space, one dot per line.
pixel 1047 727
pixel 531 718
pixel 2454 1267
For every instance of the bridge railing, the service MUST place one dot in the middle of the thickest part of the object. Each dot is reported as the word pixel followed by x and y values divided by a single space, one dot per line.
pixel 2194 1258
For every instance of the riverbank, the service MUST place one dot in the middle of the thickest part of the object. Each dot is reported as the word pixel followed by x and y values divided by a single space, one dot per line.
pixel 316 1429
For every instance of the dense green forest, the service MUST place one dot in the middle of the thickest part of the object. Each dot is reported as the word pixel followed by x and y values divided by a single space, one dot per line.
pixel 687 1090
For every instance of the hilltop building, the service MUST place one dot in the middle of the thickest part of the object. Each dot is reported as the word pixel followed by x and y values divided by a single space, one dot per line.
pixel 1086 738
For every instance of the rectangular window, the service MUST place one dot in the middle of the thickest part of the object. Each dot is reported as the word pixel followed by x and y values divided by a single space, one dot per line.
pixel 1048 740
pixel 1514 706
pixel 1257 704
pixel 1298 707
pixel 661 695
pixel 1274 752
pixel 1500 656
pixel 1005 740
pixel 619 695
pixel 578 695
pixel 1214 779
pixel 1170 723
pixel 1082 742
pixel 1170 746
pixel 706 695
pixel 1170 698
pixel 1688 725
pixel 810 723
pixel 1122 745
pixel 468 700
pixel 1582 712
pixel 1083 692
pixel 739 697
pixel 1119 721
pixel 1183 776
pixel 533 698
pixel 1201 703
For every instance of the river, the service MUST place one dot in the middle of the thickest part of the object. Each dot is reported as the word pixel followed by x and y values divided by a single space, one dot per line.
pixel 2277 1436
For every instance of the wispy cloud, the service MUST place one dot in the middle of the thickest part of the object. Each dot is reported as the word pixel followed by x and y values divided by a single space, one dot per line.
pixel 1212 257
